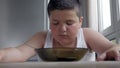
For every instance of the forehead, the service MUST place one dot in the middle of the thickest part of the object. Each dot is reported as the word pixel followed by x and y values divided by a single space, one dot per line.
pixel 63 13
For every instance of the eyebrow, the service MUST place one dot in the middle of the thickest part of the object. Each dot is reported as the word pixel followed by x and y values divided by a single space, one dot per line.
pixel 55 20
pixel 70 20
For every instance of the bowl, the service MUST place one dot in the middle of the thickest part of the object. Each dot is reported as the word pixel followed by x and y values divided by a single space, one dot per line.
pixel 61 54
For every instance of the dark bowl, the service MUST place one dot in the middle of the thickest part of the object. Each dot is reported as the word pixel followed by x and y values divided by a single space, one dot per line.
pixel 61 54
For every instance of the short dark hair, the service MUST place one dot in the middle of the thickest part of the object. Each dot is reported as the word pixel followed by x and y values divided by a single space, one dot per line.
pixel 64 5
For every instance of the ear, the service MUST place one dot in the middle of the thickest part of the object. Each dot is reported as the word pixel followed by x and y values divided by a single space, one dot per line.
pixel 81 20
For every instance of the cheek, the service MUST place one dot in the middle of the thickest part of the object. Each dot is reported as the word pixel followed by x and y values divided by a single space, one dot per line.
pixel 73 30
pixel 54 30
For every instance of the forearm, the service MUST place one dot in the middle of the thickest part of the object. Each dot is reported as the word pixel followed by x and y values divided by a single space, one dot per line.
pixel 112 53
pixel 12 55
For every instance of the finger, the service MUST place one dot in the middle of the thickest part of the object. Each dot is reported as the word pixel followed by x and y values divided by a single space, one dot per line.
pixel 101 57
pixel 0 57
pixel 117 57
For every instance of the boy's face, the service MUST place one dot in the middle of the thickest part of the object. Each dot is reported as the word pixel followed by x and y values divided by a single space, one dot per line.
pixel 64 25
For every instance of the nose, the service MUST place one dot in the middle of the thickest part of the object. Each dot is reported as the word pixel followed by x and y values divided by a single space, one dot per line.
pixel 62 28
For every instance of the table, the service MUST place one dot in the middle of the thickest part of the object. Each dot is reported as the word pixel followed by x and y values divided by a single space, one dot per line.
pixel 100 64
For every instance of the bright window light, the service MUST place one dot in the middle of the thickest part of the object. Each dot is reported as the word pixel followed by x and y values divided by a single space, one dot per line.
pixel 105 14
pixel 119 8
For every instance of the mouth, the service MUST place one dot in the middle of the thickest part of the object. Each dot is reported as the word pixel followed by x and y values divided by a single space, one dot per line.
pixel 63 36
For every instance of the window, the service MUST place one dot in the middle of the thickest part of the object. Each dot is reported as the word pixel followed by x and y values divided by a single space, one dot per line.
pixel 119 41
pixel 118 9
pixel 104 14
pixel 109 19
pixel 117 14
pixel 46 18
pixel 119 6
pixel 114 41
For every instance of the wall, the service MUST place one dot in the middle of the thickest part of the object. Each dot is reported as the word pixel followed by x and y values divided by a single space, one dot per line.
pixel 92 14
pixel 84 13
pixel 19 20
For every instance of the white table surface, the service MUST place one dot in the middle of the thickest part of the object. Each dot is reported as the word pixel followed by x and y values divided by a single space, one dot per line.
pixel 101 64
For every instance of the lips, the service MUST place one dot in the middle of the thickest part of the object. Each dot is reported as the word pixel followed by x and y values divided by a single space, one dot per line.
pixel 63 36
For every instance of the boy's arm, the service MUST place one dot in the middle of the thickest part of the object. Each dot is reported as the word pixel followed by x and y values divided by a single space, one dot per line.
pixel 96 41
pixel 24 51
pixel 101 45
pixel 16 54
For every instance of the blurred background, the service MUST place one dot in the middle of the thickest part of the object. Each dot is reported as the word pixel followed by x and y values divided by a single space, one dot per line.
pixel 20 19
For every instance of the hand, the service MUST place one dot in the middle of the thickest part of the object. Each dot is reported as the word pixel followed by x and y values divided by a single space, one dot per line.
pixel 1 55
pixel 110 54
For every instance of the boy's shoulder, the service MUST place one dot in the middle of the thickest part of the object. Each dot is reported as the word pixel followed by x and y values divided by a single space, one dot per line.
pixel 88 30
pixel 90 33
pixel 39 36
pixel 41 33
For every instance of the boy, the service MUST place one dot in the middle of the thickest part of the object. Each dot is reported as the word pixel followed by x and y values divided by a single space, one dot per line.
pixel 65 31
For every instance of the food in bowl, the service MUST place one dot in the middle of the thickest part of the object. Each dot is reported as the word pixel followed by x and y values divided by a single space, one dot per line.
pixel 61 54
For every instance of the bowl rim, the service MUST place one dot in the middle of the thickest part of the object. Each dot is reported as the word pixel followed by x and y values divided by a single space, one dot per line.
pixel 61 48
pixel 56 56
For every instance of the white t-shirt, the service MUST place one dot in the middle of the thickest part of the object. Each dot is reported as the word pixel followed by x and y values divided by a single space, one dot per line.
pixel 89 56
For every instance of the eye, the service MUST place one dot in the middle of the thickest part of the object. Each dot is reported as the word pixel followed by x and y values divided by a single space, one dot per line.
pixel 69 22
pixel 55 23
